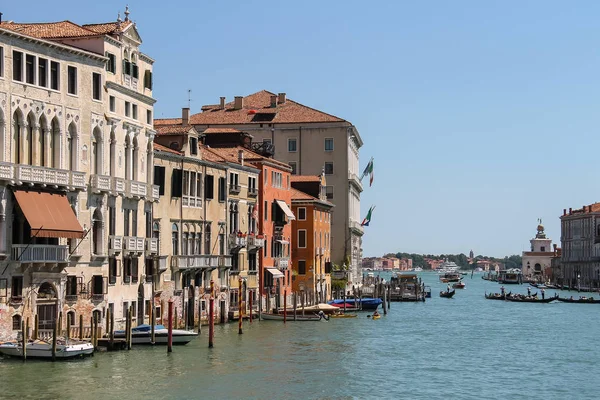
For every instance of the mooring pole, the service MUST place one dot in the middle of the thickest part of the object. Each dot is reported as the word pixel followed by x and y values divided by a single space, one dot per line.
pixel 211 315
pixel 240 311
pixel 250 295
pixel 170 332
pixel 24 341
pixel 284 305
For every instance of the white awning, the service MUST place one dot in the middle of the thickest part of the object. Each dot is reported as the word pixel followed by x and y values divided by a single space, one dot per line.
pixel 286 210
pixel 275 272
pixel 283 241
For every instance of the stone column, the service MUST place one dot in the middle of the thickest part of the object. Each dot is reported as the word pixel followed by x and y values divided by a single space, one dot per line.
pixel 35 145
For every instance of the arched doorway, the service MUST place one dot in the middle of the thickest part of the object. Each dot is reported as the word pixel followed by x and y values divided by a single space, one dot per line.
pixel 47 301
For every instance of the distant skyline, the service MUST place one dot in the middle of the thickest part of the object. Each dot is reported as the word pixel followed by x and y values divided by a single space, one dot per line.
pixel 481 116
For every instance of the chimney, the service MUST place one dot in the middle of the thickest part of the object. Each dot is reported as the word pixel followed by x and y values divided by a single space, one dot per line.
pixel 222 103
pixel 281 98
pixel 564 211
pixel 274 101
pixel 570 210
pixel 185 115
pixel 241 157
pixel 238 102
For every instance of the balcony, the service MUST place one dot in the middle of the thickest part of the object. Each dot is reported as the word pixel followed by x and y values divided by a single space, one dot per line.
pixel 356 228
pixel 151 246
pixel 39 253
pixel 195 261
pixel 135 189
pixel 282 263
pixel 252 192
pixel 355 180
pixel 236 242
pixel 224 261
pixel 234 189
pixel 100 183
pixel 255 241
pixel 115 245
pixel 117 185
pixel 154 191
pixel 45 176
pixel 133 244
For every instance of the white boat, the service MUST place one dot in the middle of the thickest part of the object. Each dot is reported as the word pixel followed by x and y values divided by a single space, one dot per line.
pixel 142 334
pixel 417 269
pixel 447 266
pixel 43 349
pixel 289 317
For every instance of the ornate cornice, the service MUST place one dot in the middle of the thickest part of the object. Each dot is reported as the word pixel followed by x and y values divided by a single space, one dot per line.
pixel 132 93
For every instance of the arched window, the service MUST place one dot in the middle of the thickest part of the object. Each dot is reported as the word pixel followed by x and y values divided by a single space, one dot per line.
pixel 71 318
pixel 97 232
pixel 16 322
pixel 135 159
pixel 184 244
pixel 207 249
pixel 42 141
pixel 97 152
pixel 30 139
pixel 112 158
pixel 175 239
pixel 72 147
pixel 199 240
pixel 17 137
pixel 55 143
pixel 128 149
pixel 2 136
pixel 192 242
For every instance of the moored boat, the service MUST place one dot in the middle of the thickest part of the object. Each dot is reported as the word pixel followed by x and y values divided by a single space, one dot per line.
pixel 530 299
pixel 447 294
pixel 459 285
pixel 583 300
pixel 279 317
pixel 142 334
pixel 495 296
pixel 365 303
pixel 43 349
pixel 343 316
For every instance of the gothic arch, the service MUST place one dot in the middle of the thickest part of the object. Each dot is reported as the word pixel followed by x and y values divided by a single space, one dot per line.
pixel 54 145
pixel 30 136
pixel 43 138
pixel 2 135
pixel 97 232
pixel 72 146
pixel 97 151
pixel 135 160
pixel 18 125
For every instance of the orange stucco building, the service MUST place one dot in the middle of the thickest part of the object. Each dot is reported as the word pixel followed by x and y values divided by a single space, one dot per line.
pixel 311 238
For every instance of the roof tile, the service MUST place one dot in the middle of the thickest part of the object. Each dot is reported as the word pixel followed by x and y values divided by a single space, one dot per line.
pixel 160 147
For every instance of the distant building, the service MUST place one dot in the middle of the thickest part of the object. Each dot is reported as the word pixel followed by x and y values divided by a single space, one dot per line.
pixel 536 263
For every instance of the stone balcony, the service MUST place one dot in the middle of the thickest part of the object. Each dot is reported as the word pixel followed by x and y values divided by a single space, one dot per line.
pixel 151 246
pixel 234 189
pixel 236 242
pixel 255 242
pixel 133 244
pixel 20 174
pixel 282 263
pixel 39 253
pixel 252 192
pixel 135 189
pixel 115 245
pixel 100 183
pixel 117 185
pixel 356 228
pixel 355 180
pixel 200 261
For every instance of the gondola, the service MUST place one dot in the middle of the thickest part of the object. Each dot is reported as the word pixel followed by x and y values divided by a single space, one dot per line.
pixel 495 296
pixel 447 294
pixel 585 301
pixel 531 299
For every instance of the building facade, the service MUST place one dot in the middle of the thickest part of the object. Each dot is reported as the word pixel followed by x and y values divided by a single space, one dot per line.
pixel 311 238
pixel 536 264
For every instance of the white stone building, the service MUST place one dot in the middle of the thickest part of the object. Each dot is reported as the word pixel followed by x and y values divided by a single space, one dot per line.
pixel 536 263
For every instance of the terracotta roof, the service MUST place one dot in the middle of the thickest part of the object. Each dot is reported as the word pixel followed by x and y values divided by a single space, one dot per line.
pixel 108 28
pixel 306 178
pixel 300 195
pixel 209 155
pixel 230 154
pixel 166 130
pixel 288 112
pixel 167 121
pixel 208 131
pixel 49 30
pixel 586 209
pixel 160 147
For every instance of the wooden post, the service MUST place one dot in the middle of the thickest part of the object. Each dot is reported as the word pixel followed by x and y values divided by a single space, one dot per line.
pixel 175 319
pixel 284 305
pixel 162 311
pixel 199 315
pixel 269 303
pixel 112 330
pixel 54 335
pixel 152 323
pixel 389 289
pixel 60 323
pixel 211 315
pixel 303 301
pixel 108 321
pixel 36 327
pixel 129 314
pixel 384 302
pixel 27 329
pixel 80 326
pixel 68 335
pixel 170 331
pixel 24 340
pixel 240 311
pixel 250 295
pixel 344 301
pixel 92 330
pixel 295 304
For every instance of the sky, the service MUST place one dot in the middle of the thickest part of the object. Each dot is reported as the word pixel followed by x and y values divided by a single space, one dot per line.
pixel 482 116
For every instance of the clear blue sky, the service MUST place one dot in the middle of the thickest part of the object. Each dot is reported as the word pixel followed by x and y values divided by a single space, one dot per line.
pixel 482 116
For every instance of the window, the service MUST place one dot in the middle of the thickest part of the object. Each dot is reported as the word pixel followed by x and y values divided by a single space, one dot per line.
pixel 3 285
pixel 148 79
pixel 252 261
pixel 301 267
pixel 292 145
pixel 134 270
pixel 301 213
pixel 134 111
pixel 176 186
pixel 17 286
pixel 328 144
pixel 252 186
pixel 302 238
pixel 209 187
pixel 16 322
pixel 113 270
pixel 126 214
pixel 266 213
pixel 266 245
pixel 42 72
pixel 175 240
pixel 125 309
pixel 72 80
pixel 276 179
pixel 111 64
pixel 294 166
pixel 112 103
pixel 18 66
pixel 149 117
pixel 234 182
pixel 30 69
pixel 96 86
pixel 193 146
pixel 1 62
pixel 328 168
pixel 127 108
pixel 126 67
pixel 222 188
pixel 329 192
pixel 71 285
pixel 134 222
pixel 192 196
pixel 159 179
pixel 135 71
pixel 54 75
pixel 207 239
pixel 221 243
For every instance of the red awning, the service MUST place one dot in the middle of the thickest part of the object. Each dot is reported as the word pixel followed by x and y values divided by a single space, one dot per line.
pixel 49 214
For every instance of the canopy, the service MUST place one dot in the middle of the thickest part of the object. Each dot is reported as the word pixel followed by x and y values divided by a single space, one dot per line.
pixel 49 214
pixel 275 272
pixel 286 210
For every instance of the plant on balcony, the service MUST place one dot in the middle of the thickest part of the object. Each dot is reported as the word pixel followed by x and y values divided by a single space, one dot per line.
pixel 241 234
pixel 260 236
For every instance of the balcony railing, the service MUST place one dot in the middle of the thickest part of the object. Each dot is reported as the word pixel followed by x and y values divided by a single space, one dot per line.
pixel 252 192
pixel 256 242
pixel 136 189
pixel 40 253
pixel 7 171
pixel 355 226
pixel 151 246
pixel 282 262
pixel 21 173
pixel 133 244
pixel 236 241
pixel 234 189
pixel 154 191
pixel 354 179
pixel 195 261
pixel 118 185
pixel 115 244
pixel 225 261
pixel 100 183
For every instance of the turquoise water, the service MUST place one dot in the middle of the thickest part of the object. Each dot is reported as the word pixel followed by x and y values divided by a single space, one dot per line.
pixel 461 348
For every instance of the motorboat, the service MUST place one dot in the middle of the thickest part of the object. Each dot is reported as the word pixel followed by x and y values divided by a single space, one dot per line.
pixel 417 269
pixel 142 334
pixel 447 266
pixel 43 349
pixel 450 277
pixel 289 317
pixel 364 303
pixel 459 285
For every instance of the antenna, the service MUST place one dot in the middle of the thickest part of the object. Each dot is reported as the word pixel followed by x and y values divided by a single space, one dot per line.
pixel 189 98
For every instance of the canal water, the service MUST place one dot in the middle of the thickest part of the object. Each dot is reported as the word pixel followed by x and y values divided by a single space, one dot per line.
pixel 461 348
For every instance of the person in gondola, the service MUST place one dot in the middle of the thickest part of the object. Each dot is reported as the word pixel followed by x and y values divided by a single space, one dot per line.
pixel 543 293
pixel 502 290
pixel 448 288
pixel 528 291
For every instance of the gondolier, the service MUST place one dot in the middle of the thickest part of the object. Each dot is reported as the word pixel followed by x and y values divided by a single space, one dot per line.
pixel 543 293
